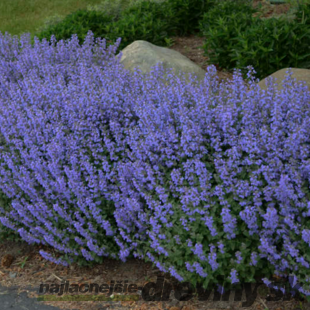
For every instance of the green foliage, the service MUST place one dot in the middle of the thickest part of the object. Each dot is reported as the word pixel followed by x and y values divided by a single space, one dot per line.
pixel 297 3
pixel 116 7
pixel 112 9
pixel 226 8
pixel 238 40
pixel 138 23
pixel 187 14
pixel 303 14
pixel 232 12
pixel 5 232
pixel 244 242
pixel 184 14
pixel 221 25
pixel 23 262
pixel 79 22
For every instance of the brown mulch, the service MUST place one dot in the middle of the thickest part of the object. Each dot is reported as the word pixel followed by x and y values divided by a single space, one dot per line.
pixel 36 270
pixel 22 265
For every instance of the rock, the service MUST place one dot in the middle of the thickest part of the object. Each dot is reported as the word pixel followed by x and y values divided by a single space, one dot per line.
pixel 145 55
pixel 298 74
pixel 12 275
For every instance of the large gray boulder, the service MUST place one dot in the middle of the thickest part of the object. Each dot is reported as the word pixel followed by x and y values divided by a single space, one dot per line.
pixel 145 55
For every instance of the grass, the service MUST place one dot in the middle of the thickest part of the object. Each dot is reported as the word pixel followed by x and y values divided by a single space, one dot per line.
pixel 19 16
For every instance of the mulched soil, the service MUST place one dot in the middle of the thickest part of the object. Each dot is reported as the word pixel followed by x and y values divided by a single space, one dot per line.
pixel 35 270
pixel 22 265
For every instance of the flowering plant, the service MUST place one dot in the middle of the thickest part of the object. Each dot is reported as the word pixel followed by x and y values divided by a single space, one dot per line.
pixel 209 182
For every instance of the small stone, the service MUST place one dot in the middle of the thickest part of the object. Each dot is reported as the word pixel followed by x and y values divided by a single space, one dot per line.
pixel 12 275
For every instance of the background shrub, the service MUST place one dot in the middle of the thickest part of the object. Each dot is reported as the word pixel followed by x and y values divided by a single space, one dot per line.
pixel 112 9
pixel 147 21
pixel 220 35
pixel 187 14
pixel 238 40
pixel 115 8
pixel 54 189
pixel 79 22
pixel 183 15
pixel 303 14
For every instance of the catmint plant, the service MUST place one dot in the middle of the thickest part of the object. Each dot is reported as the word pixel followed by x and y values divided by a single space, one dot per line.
pixel 209 182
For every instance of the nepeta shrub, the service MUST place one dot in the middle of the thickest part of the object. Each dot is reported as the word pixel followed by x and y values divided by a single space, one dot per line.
pixel 209 182
pixel 62 120
pixel 225 180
